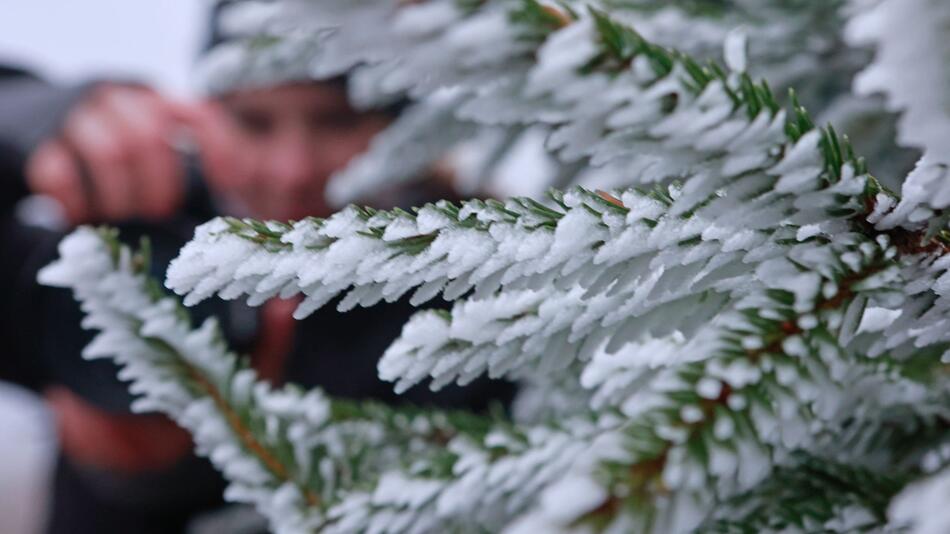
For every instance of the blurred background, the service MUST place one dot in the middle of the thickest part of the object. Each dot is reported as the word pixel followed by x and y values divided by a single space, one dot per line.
pixel 68 42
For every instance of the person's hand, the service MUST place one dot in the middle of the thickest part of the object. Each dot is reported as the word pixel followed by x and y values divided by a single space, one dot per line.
pixel 113 159
pixel 225 154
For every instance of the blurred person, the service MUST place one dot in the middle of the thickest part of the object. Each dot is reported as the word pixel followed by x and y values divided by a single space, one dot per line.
pixel 106 153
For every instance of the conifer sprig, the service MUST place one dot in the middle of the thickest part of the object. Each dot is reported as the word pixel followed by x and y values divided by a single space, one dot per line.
pixel 747 296
pixel 288 452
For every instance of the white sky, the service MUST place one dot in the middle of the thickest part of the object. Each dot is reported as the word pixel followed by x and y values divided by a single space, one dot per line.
pixel 154 41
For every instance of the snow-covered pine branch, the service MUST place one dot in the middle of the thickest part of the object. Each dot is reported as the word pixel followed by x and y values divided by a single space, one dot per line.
pixel 810 495
pixel 593 271
pixel 910 67
pixel 774 378
pixel 767 299
pixel 622 281
pixel 742 165
pixel 912 54
pixel 189 375
pixel 306 461
pixel 291 453
pixel 512 74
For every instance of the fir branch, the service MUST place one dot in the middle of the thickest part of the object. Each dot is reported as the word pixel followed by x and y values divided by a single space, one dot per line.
pixel 724 315
pixel 244 434
pixel 529 24
pixel 839 163
pixel 814 195
pixel 87 256
pixel 917 88
pixel 748 399
pixel 426 251
pixel 176 368
pixel 809 495
pixel 308 462
pixel 268 442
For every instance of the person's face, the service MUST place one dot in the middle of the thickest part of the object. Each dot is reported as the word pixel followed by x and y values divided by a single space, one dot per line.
pixel 295 137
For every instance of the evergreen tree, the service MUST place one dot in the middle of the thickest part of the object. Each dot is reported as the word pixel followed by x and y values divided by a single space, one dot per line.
pixel 722 321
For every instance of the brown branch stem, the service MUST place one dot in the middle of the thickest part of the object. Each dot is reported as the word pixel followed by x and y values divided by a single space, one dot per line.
pixel 244 435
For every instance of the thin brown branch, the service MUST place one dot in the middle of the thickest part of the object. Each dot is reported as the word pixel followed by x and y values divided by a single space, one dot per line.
pixel 244 434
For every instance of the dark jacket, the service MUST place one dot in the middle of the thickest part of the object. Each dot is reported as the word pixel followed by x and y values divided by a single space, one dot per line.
pixel 337 352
